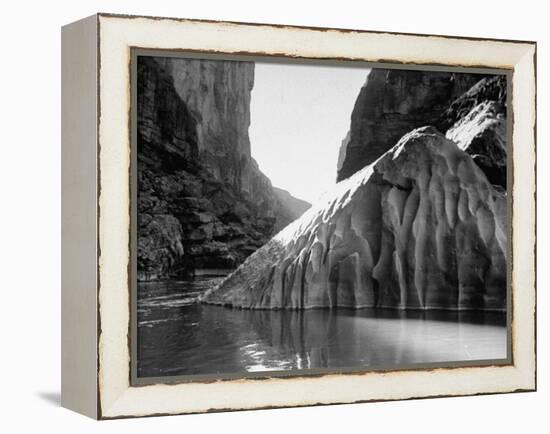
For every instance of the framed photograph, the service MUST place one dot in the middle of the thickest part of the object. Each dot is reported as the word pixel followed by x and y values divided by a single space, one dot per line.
pixel 262 216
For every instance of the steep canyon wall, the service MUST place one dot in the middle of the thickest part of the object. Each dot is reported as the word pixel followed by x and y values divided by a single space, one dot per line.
pixel 202 201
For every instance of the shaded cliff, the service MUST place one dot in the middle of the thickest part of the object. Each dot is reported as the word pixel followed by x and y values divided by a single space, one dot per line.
pixel 290 208
pixel 393 102
pixel 202 200
pixel 421 227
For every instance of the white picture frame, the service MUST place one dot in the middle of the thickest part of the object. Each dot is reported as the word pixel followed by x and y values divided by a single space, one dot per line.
pixel 96 313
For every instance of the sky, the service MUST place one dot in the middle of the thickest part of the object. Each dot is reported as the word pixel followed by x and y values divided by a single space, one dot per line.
pixel 300 113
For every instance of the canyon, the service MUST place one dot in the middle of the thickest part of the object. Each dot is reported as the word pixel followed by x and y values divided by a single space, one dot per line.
pixel 203 202
pixel 418 217
pixel 393 102
pixel 421 227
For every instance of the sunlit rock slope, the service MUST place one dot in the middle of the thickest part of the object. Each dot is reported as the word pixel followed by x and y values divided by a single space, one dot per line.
pixel 421 227
pixel 393 102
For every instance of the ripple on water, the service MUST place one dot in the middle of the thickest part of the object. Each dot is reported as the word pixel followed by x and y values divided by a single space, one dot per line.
pixel 178 336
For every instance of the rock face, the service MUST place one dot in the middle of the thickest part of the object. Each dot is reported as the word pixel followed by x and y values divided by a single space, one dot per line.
pixel 392 103
pixel 477 122
pixel 421 227
pixel 290 208
pixel 482 134
pixel 487 89
pixel 202 200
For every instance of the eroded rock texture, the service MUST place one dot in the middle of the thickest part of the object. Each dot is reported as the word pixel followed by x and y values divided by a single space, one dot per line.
pixel 482 134
pixel 393 102
pixel 202 200
pixel 477 122
pixel 491 88
pixel 469 108
pixel 422 227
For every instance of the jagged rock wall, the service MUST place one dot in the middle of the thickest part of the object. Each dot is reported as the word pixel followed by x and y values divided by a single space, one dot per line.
pixel 420 228
pixel 477 122
pixel 393 102
pixel 492 88
pixel 482 134
pixel 202 200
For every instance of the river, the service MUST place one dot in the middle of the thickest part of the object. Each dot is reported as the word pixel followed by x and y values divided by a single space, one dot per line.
pixel 178 336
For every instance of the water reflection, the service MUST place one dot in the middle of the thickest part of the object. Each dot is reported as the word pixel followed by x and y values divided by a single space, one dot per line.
pixel 179 337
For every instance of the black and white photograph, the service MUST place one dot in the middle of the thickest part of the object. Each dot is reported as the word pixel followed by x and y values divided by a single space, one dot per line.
pixel 288 217
pixel 311 217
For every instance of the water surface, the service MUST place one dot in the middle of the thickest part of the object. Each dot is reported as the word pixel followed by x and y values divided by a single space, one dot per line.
pixel 177 336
